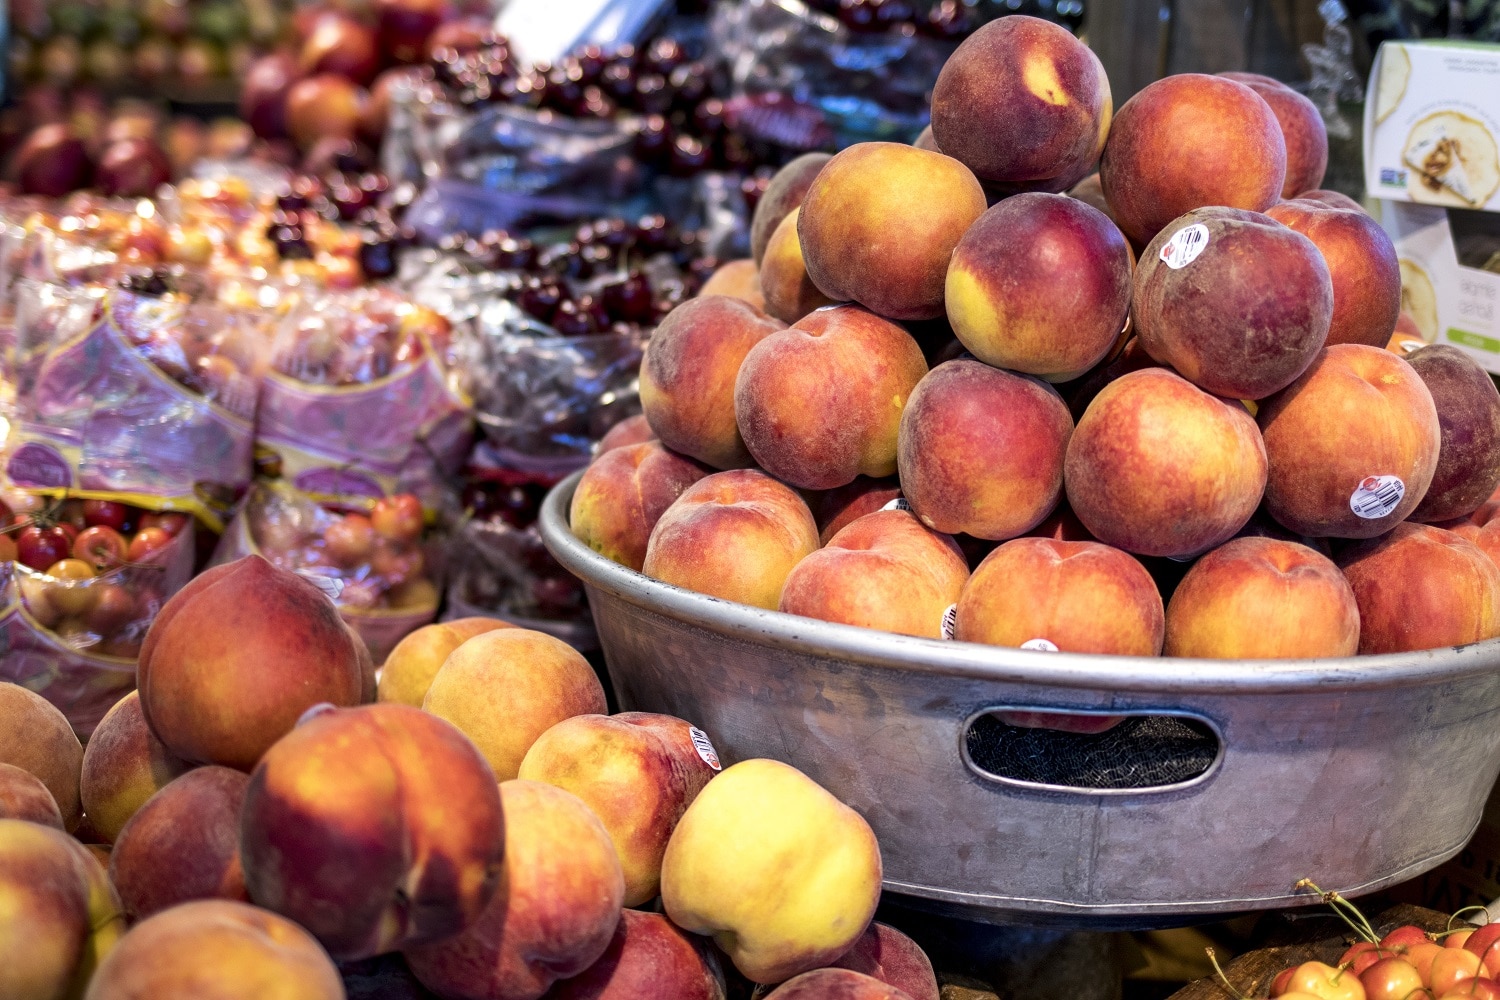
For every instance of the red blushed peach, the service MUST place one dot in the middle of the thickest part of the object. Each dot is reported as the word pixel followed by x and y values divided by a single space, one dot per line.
pixel 820 402
pixel 880 222
pixel 1301 127
pixel 981 450
pixel 1091 192
pixel 1352 444
pixel 1361 264
pixel 1468 409
pixel 1262 598
pixel 1081 391
pixel 784 194
pixel 884 953
pixel 648 958
pixel 1062 525
pixel 789 292
pixel 834 509
pixel 1040 284
pixel 734 535
pixel 183 844
pixel 884 571
pixel 631 430
pixel 737 278
pixel 1421 587
pixel 924 140
pixel 372 827
pixel 1161 468
pixel 621 495
pixel 1331 199
pixel 23 796
pixel 688 372
pixel 36 737
pixel 1186 142
pixel 553 914
pixel 1236 302
pixel 1077 597
pixel 123 766
pixel 1022 101
pixel 836 984
pixel 411 666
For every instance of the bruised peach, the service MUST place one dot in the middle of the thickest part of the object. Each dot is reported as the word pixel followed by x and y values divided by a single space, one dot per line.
pixel 123 766
pixel 621 495
pixel 783 195
pixel 1301 127
pixel 1468 409
pixel 789 292
pixel 1361 264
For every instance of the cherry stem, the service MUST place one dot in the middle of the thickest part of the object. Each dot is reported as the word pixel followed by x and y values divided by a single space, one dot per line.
pixel 1420 989
pixel 1468 909
pixel 1214 961
pixel 1343 908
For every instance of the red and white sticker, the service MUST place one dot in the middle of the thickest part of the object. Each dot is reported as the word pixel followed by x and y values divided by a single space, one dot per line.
pixel 1185 246
pixel 950 621
pixel 897 504
pixel 1040 645
pixel 1376 496
pixel 705 748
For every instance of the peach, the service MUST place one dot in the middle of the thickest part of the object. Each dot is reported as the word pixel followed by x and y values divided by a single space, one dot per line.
pixel 1078 597
pixel 1160 468
pixel 1023 102
pixel 1040 284
pixel 1132 357
pixel 648 958
pixel 820 402
pixel 631 430
pixel 623 493
pixel 1352 444
pixel 1062 525
pixel 884 571
pixel 1361 263
pixel 789 292
pixel 1302 129
pixel 784 876
pixel 884 953
pixel 1091 192
pixel 785 192
pixel 924 140
pixel 688 372
pixel 981 450
pixel 1421 587
pixel 237 655
pixel 372 827
pixel 1260 598
pixel 553 915
pixel 23 796
pixel 36 737
pixel 880 222
pixel 739 279
pixel 637 771
pixel 123 766
pixel 503 689
pixel 59 915
pixel 1468 409
pixel 416 659
pixel 733 535
pixel 835 509
pixel 220 949
pixel 1189 141
pixel 183 844
pixel 1331 199
pixel 836 984
pixel 1236 302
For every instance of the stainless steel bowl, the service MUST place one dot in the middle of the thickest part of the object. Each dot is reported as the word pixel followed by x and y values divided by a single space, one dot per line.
pixel 1358 773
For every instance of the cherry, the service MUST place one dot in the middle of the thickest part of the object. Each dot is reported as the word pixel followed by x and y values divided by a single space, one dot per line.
pixel 664 55
pixel 565 261
pixel 651 94
pixel 101 546
pixel 859 15
pixel 397 518
pixel 591 60
pixel 571 321
pixel 109 513
pixel 595 310
pixel 630 298
pixel 617 80
pixel 689 156
pixel 39 547
pixel 516 506
pixel 613 232
pixel 512 254
pixel 653 139
pixel 948 20
pixel 656 233
pixel 689 83
pixel 539 299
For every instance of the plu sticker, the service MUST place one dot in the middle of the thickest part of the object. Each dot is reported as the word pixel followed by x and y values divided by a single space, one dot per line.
pixel 1185 246
pixel 897 504
pixel 1040 645
pixel 705 748
pixel 1376 496
pixel 950 621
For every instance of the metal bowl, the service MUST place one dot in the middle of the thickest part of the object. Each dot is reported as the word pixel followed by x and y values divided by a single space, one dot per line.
pixel 1357 773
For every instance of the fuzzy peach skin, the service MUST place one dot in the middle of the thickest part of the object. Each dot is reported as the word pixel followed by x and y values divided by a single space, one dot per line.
pixel 555 910
pixel 1468 409
pixel 884 571
pixel 637 771
pixel 183 844
pixel 647 959
pixel 1361 263
pixel 1023 102
pixel 237 655
pixel 783 195
pixel 36 737
pixel 1132 357
pixel 880 222
pixel 1262 598
pixel 1301 127
pixel 59 916
pixel 1091 192
pixel 623 493
pixel 781 874
pixel 1160 468
pixel 836 984
pixel 738 278
pixel 884 953
pixel 1245 316
pixel 789 292
pixel 981 450
pixel 1186 142
pixel 1421 587
pixel 1081 597
pixel 1332 199
pixel 416 659
pixel 820 402
pixel 835 509
pixel 733 535
pixel 218 949
pixel 1357 412
pixel 688 372
pixel 23 796
pixel 123 766
pixel 1040 284
pixel 373 827
pixel 631 430
pixel 503 689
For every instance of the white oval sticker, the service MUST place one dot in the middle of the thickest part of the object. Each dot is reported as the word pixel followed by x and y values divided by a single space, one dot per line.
pixel 1185 246
pixel 897 504
pixel 1376 496
pixel 705 748
pixel 1041 645
pixel 950 621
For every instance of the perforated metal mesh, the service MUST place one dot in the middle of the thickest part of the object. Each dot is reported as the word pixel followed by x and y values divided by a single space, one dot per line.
pixel 1141 752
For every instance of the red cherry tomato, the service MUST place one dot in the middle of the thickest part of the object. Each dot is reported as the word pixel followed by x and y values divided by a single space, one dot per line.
pixel 39 547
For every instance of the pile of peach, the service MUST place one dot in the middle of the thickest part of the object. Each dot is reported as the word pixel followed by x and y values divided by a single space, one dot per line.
pixel 1182 361
pixel 262 808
